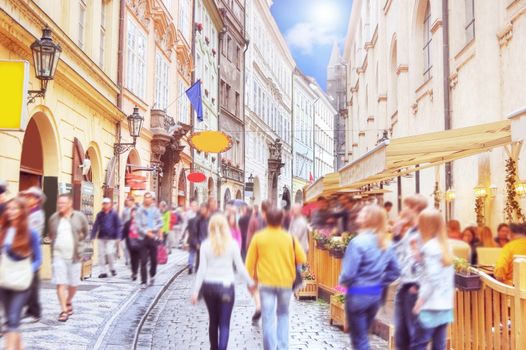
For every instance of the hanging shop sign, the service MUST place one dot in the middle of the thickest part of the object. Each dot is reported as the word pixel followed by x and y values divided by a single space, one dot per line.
pixel 13 94
pixel 211 141
pixel 196 177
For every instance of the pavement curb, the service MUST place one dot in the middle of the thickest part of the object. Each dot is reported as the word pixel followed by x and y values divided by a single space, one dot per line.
pixel 152 305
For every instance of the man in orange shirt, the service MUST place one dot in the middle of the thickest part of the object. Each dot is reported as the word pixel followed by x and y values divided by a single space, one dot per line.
pixel 271 261
pixel 517 246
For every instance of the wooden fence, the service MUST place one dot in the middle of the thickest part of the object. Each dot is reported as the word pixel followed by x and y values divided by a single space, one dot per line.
pixel 492 318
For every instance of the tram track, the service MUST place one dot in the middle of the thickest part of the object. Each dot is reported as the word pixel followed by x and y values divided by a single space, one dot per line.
pixel 152 305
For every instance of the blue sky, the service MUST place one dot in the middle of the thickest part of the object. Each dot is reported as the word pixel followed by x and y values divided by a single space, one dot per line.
pixel 310 28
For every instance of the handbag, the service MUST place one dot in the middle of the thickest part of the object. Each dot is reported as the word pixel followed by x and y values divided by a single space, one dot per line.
pixel 15 274
pixel 298 280
pixel 162 255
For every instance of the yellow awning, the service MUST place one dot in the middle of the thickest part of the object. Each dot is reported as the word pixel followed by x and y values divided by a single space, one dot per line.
pixel 405 155
pixel 324 186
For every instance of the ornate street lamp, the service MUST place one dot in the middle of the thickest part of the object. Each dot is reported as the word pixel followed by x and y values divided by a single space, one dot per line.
pixel 135 121
pixel 46 55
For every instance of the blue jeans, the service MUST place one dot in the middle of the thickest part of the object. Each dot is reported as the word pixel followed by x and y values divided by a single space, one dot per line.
pixel 361 310
pixel 191 258
pixel 13 302
pixel 275 307
pixel 423 336
pixel 404 319
pixel 219 301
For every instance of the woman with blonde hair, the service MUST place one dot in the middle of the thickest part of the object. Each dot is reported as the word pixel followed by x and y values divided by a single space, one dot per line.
pixel 486 238
pixel 215 279
pixel 434 306
pixel 368 267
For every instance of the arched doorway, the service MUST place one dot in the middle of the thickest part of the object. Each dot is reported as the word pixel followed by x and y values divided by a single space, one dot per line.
pixel 239 195
pixel 135 181
pixel 181 189
pixel 94 175
pixel 285 198
pixel 228 197
pixel 211 188
pixel 256 195
pixel 298 198
pixel 32 160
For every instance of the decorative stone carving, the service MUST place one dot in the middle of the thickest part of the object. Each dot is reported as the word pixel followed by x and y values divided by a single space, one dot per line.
pixel 141 9
pixel 414 108
pixel 505 34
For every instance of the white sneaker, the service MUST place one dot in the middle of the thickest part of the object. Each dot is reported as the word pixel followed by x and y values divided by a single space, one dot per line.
pixel 143 286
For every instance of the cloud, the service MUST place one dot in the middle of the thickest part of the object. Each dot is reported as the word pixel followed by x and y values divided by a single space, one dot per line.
pixel 306 36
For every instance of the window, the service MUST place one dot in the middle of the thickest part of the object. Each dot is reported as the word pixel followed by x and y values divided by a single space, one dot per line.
pixel 237 106
pixel 161 81
pixel 102 33
pixel 227 97
pixel 427 42
pixel 238 56
pixel 183 105
pixel 184 23
pixel 470 20
pixel 136 60
pixel 82 22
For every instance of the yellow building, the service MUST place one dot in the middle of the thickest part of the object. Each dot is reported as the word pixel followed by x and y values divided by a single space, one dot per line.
pixel 78 116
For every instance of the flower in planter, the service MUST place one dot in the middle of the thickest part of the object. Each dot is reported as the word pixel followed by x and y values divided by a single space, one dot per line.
pixel 206 92
pixel 207 41
pixel 214 52
pixel 199 27
pixel 307 274
pixel 341 291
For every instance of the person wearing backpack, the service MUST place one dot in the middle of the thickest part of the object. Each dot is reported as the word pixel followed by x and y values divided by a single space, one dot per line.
pixel 133 243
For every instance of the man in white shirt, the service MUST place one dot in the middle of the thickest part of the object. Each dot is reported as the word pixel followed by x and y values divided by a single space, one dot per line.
pixel 68 230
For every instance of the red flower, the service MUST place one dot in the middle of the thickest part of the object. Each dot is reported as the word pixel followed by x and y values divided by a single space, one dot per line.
pixel 199 26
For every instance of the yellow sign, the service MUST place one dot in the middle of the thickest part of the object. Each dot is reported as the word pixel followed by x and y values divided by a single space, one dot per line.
pixel 13 94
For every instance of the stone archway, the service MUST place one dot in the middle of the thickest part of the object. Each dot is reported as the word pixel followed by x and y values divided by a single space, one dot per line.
pixel 227 197
pixel 135 181
pixel 298 198
pixel 286 199
pixel 95 173
pixel 32 159
pixel 181 189
pixel 239 195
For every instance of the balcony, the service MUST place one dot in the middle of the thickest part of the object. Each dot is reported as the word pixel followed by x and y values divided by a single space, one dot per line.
pixel 232 173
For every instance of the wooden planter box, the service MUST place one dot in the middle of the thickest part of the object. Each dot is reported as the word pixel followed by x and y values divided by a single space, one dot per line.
pixel 338 314
pixel 338 254
pixel 467 282
pixel 309 290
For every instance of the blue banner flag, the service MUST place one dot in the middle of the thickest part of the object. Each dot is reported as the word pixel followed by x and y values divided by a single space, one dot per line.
pixel 194 95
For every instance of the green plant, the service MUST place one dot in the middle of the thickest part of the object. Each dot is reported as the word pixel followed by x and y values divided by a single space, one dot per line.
pixel 347 238
pixel 461 266
pixel 307 274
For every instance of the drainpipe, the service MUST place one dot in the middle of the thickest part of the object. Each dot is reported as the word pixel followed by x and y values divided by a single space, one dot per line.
pixel 221 36
pixel 191 108
pixel 120 81
pixel 247 42
pixel 292 139
pixel 447 95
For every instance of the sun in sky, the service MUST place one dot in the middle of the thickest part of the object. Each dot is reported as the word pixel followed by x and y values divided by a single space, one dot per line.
pixel 325 13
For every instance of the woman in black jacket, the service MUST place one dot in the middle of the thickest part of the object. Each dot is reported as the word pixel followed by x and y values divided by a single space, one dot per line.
pixel 131 234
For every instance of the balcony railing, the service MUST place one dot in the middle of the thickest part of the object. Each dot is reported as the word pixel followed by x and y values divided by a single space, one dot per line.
pixel 231 172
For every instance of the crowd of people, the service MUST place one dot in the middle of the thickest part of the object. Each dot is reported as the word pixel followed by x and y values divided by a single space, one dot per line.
pixel 264 245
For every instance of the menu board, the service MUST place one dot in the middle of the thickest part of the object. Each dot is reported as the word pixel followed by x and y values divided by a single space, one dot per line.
pixel 87 201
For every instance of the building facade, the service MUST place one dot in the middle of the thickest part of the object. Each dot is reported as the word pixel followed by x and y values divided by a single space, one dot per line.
pixel 268 116
pixel 336 89
pixel 231 93
pixel 399 82
pixel 208 25
pixel 324 134
pixel 79 115
pixel 305 98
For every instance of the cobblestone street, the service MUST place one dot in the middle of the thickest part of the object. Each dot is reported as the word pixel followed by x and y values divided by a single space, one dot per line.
pixel 175 324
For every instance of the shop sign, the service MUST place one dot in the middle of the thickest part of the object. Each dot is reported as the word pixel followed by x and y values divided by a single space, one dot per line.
pixel 64 188
pixel 13 94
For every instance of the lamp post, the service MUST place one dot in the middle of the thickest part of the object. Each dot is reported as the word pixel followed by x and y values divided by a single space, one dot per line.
pixel 46 55
pixel 135 121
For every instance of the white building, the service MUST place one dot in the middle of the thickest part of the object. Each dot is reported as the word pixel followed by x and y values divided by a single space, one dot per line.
pixel 324 131
pixel 208 24
pixel 399 82
pixel 305 97
pixel 268 94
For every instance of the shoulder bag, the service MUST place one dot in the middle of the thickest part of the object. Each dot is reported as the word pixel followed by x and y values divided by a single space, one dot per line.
pixel 298 280
pixel 15 274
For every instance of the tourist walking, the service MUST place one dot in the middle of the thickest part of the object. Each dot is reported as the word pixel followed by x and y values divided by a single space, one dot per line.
pixel 234 229
pixel 198 233
pixel 35 198
pixel 129 204
pixel 407 244
pixel 216 278
pixel 67 230
pixel 149 224
pixel 368 267
pixel 271 261
pixel 107 230
pixel 3 189
pixel 299 227
pixel 20 247
pixel 190 216
pixel 243 227
pixel 133 241
pixel 434 306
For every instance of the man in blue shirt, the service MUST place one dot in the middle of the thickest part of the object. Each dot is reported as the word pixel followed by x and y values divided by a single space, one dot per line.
pixel 107 229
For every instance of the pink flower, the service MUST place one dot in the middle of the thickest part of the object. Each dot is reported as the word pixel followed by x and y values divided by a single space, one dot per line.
pixel 341 289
